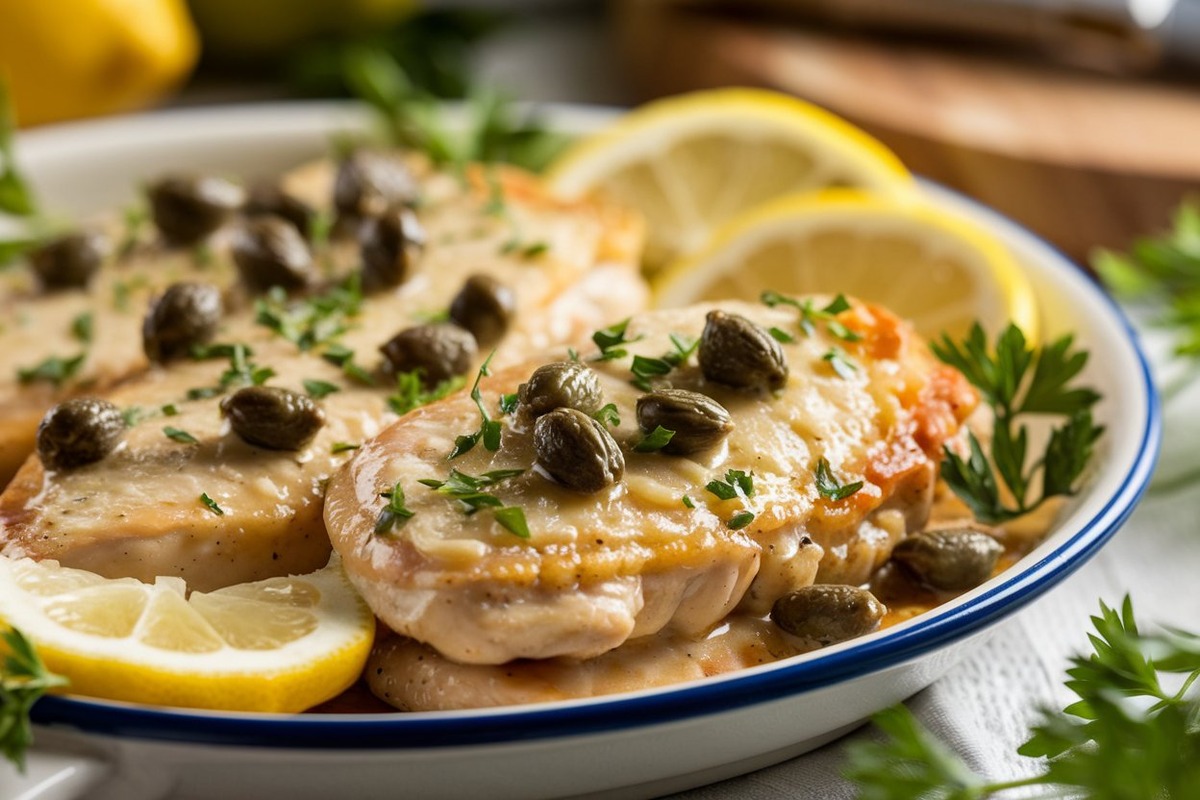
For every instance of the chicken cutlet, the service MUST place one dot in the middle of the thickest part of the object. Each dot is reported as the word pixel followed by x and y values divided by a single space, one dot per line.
pixel 187 493
pixel 704 460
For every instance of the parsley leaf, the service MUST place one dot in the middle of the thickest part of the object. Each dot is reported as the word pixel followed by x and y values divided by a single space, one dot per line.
pixel 411 392
pixel 608 415
pixel 1017 381
pixel 394 513
pixel 23 679
pixel 509 402
pixel 318 389
pixel 315 320
pixel 81 327
pixel 810 315
pixel 468 490
pixel 1126 736
pixel 655 440
pixel 841 363
pixel 55 370
pixel 739 520
pixel 611 341
pixel 342 447
pixel 211 505
pixel 489 429
pixel 828 485
pixel 179 435
pixel 1164 270
pixel 736 483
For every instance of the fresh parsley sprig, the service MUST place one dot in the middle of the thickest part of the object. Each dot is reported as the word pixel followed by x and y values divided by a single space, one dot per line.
pixel 736 483
pixel 23 679
pixel 489 429
pixel 1017 382
pixel 395 513
pixel 1127 736
pixel 810 316
pixel 468 490
pixel 830 486
pixel 411 392
pixel 1165 270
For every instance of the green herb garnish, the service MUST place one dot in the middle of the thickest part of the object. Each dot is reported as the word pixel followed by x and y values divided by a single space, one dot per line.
pixel 688 502
pixel 780 335
pixel 655 440
pixel 736 483
pixel 23 679
pixel 608 415
pixel 394 513
pixel 739 520
pixel 179 435
pixel 54 369
pixel 840 362
pixel 1127 735
pixel 81 327
pixel 611 341
pixel 315 320
pixel 317 389
pixel 645 368
pixel 411 392
pixel 169 410
pixel 509 402
pixel 1164 270
pixel 829 486
pixel 211 505
pixel 489 429
pixel 1017 382
pixel 342 447
pixel 469 491
pixel 810 315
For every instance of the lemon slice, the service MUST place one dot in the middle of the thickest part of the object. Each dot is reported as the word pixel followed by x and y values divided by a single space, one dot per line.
pixel 281 644
pixel 690 162
pixel 921 260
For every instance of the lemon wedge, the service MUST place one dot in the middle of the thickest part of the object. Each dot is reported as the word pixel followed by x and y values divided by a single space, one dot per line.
pixel 921 260
pixel 691 162
pixel 280 645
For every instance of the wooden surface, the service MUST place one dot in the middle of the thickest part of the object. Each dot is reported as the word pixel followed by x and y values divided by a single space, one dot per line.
pixel 1083 159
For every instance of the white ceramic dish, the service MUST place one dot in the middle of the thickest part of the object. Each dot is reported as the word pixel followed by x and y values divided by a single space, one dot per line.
pixel 636 745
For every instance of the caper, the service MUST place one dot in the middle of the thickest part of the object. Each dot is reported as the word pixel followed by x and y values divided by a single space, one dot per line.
pixel 268 252
pixel 369 183
pixel 186 208
pixel 70 261
pixel 390 246
pixel 953 559
pixel 439 351
pixel 272 417
pixel 699 421
pixel 266 198
pixel 187 314
pixel 577 451
pixel 560 384
pixel 78 432
pixel 484 306
pixel 737 352
pixel 825 614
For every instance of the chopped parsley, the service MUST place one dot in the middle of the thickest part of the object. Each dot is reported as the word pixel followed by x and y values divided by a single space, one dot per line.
pixel 179 435
pixel 840 362
pixel 54 370
pixel 211 505
pixel 780 335
pixel 342 447
pixel 688 502
pixel 395 512
pixel 810 315
pixel 468 490
pixel 23 679
pixel 169 410
pixel 655 440
pixel 81 327
pixel 828 484
pixel 736 483
pixel 509 402
pixel 530 250
pixel 489 429
pixel 739 520
pixel 411 392
pixel 318 389
pixel 611 341
pixel 315 320
pixel 608 416
pixel 644 368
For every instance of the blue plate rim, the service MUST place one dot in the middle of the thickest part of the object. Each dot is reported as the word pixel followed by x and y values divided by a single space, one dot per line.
pixel 426 731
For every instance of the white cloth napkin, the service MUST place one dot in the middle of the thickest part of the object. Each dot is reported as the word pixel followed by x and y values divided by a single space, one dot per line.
pixel 983 708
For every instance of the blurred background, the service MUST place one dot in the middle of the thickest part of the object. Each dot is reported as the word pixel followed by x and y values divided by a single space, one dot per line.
pixel 1080 118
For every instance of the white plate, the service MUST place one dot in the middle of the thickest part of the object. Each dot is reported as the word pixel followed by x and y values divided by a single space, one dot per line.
pixel 634 745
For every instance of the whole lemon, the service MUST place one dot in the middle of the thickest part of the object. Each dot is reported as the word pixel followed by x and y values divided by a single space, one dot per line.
pixel 75 58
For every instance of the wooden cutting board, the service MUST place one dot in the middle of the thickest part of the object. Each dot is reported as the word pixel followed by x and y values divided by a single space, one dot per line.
pixel 1083 159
